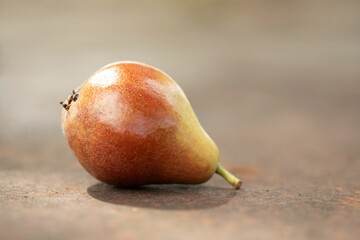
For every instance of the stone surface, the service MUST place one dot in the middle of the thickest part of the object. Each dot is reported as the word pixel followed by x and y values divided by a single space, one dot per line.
pixel 276 84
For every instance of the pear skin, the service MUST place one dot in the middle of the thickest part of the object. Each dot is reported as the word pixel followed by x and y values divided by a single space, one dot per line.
pixel 130 124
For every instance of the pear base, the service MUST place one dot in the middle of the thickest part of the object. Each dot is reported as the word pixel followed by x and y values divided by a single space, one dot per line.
pixel 234 181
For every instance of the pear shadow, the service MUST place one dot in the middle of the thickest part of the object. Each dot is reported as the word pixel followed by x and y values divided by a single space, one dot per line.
pixel 167 197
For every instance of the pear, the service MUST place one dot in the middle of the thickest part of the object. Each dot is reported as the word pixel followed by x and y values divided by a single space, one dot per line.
pixel 130 124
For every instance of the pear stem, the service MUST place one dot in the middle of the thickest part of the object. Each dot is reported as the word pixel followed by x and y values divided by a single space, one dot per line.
pixel 228 176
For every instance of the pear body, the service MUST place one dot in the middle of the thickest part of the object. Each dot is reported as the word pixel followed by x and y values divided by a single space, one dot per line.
pixel 131 124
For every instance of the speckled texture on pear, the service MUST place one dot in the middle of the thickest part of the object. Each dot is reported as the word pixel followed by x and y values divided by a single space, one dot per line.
pixel 133 125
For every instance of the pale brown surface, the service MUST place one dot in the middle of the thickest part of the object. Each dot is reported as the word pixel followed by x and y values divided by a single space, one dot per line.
pixel 275 83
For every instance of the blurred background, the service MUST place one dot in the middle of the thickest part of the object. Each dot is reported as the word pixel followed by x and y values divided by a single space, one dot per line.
pixel 263 76
pixel 275 83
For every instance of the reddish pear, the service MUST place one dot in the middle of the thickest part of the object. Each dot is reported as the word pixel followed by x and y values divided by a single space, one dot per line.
pixel 130 124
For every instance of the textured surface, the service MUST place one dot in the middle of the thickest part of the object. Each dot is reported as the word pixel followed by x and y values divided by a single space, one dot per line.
pixel 275 83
